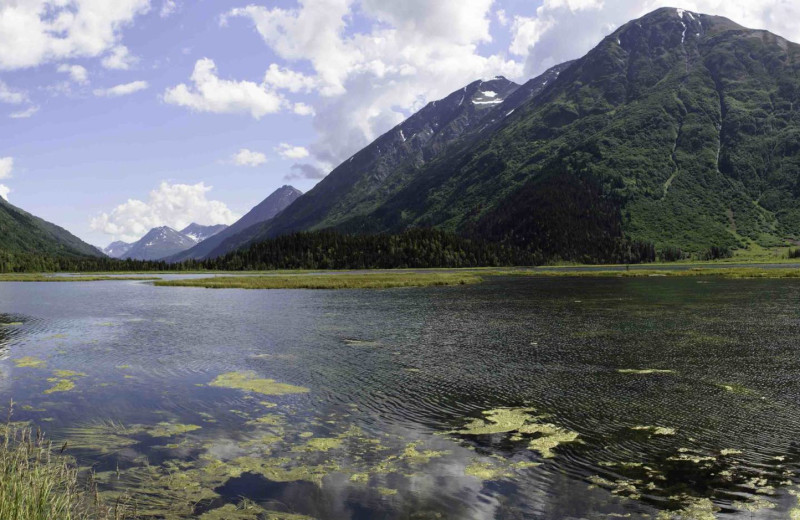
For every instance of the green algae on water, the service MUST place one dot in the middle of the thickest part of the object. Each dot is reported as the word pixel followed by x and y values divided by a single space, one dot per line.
pixel 61 385
pixel 696 509
pixel 270 419
pixel 65 374
pixel 552 436
pixel 523 425
pixel 29 362
pixel 249 382
pixel 500 420
pixel 655 430
pixel 486 471
pixel 320 444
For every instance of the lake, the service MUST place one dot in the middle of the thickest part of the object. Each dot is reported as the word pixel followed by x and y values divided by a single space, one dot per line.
pixel 521 397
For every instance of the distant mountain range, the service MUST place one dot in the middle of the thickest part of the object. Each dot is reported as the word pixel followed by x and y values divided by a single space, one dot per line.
pixel 117 249
pixel 277 202
pixel 196 241
pixel 162 242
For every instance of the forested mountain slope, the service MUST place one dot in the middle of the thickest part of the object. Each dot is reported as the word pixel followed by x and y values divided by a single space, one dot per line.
pixel 679 129
pixel 21 232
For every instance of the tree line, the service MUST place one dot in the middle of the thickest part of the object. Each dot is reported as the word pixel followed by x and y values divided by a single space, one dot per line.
pixel 414 248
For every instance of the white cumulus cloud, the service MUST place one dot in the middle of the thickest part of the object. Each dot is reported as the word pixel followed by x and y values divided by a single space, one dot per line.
pixel 6 167
pixel 24 114
pixel 11 96
pixel 119 58
pixel 210 93
pixel 168 8
pixel 541 40
pixel 303 109
pixel 33 32
pixel 288 151
pixel 4 191
pixel 287 79
pixel 173 205
pixel 77 73
pixel 245 157
pixel 121 90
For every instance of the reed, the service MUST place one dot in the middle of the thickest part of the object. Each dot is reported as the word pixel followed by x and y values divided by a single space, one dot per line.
pixel 38 482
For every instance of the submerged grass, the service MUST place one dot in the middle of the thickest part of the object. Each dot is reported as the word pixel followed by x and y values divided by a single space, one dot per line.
pixel 82 278
pixel 378 280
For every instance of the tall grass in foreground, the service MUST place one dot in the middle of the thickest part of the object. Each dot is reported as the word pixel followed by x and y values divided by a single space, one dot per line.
pixel 39 483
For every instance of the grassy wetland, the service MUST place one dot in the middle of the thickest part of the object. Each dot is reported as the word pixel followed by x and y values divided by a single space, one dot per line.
pixel 521 396
pixel 330 280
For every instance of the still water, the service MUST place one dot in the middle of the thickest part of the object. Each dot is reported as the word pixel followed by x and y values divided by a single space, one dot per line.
pixel 517 398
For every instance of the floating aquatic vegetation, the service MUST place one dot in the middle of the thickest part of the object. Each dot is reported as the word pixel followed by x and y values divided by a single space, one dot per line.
pixel 12 324
pixel 620 487
pixel 249 382
pixel 486 471
pixel 413 456
pixel 29 362
pixel 166 429
pixel 320 444
pixel 696 509
pixel 61 385
pixel 655 430
pixel 728 452
pixel 753 505
pixel 522 424
pixel 500 420
pixel 68 373
pixel 644 371
pixel 552 436
pixel 280 469
pixel 270 419
pixel 123 367
pixel 359 478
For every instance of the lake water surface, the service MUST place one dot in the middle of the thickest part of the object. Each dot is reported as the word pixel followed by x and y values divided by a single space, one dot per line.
pixel 549 398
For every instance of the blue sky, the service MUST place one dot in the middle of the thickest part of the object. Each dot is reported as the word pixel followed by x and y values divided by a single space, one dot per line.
pixel 116 117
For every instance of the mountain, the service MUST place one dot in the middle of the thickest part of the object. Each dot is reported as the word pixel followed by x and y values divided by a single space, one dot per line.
pixel 159 243
pixel 366 179
pixel 199 233
pixel 117 249
pixel 679 129
pixel 278 201
pixel 21 232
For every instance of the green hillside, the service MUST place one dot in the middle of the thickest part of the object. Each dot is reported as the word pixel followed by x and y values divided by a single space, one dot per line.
pixel 22 234
pixel 676 130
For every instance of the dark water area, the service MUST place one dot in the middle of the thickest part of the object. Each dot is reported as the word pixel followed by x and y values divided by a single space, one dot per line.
pixel 517 398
